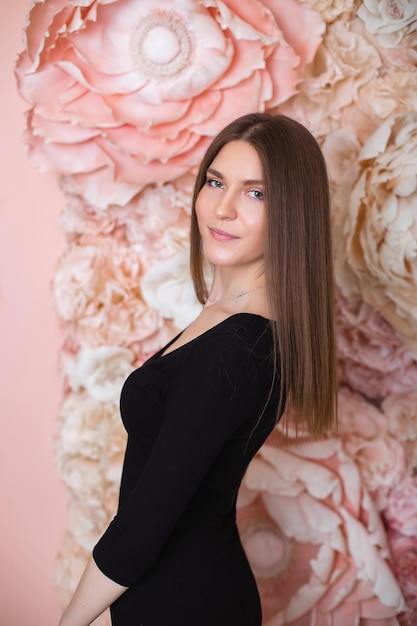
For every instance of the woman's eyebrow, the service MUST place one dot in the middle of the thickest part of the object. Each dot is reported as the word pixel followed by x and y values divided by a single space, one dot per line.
pixel 250 181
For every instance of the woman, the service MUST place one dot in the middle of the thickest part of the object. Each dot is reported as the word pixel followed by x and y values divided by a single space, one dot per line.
pixel 199 409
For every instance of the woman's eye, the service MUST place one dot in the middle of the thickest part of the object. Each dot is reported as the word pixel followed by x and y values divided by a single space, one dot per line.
pixel 256 193
pixel 213 182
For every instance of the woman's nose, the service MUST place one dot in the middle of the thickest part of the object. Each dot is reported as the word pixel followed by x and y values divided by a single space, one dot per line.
pixel 226 207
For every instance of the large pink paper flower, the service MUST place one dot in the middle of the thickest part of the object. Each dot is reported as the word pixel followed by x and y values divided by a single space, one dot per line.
pixel 315 539
pixel 375 226
pixel 372 358
pixel 125 93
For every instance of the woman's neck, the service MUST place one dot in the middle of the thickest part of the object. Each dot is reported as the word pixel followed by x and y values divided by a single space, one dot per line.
pixel 238 291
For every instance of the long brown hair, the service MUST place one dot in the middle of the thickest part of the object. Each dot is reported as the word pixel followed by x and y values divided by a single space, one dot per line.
pixel 298 260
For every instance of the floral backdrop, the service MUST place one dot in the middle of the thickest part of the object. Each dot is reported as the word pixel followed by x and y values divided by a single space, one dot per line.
pixel 123 98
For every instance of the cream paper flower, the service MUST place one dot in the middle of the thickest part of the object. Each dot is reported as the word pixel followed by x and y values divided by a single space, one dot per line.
pixel 97 293
pixel 330 10
pixel 89 448
pixel 376 228
pixel 345 62
pixel 394 92
pixel 340 149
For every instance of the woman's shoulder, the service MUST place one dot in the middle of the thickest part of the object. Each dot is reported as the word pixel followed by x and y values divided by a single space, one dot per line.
pixel 241 332
pixel 249 325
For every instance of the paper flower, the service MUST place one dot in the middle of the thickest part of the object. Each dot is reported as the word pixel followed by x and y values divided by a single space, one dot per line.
pixel 364 430
pixel 321 550
pixel 97 293
pixel 393 92
pixel 156 218
pixel 100 371
pixel 340 149
pixel 91 431
pixel 127 93
pixel 148 222
pixel 390 21
pixel 400 513
pixel 401 413
pixel 404 563
pixel 372 358
pixel 345 62
pixel 375 226
pixel 332 9
pixel 167 287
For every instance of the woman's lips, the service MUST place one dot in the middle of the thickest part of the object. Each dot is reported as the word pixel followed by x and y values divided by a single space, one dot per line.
pixel 221 235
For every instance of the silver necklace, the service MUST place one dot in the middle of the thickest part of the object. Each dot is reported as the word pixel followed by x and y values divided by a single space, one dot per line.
pixel 239 295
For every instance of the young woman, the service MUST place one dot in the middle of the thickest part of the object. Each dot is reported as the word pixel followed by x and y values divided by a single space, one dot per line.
pixel 199 409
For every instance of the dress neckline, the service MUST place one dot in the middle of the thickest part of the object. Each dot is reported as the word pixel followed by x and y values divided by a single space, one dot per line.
pixel 162 354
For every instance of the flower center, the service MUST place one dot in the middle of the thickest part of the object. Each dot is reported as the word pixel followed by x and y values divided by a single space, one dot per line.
pixel 161 46
pixel 268 549
pixel 394 11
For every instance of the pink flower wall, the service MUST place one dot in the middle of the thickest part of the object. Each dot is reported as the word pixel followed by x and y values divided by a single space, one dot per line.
pixel 32 496
pixel 122 99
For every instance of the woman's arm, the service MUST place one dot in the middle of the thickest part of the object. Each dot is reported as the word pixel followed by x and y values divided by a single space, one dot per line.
pixel 95 592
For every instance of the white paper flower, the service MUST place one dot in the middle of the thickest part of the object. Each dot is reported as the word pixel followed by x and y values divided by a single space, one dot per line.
pixel 100 371
pixel 389 20
pixel 167 287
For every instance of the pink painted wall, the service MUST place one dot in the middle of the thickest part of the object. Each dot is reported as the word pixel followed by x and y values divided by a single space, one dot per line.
pixel 32 497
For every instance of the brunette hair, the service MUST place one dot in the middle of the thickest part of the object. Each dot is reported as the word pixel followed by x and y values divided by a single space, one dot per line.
pixel 298 260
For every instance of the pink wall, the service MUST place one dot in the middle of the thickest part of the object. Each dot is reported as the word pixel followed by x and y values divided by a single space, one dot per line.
pixel 32 496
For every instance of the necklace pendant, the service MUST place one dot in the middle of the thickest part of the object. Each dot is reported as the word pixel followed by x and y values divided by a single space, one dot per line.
pixel 239 295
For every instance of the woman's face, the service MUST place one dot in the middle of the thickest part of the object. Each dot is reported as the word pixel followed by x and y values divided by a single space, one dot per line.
pixel 230 208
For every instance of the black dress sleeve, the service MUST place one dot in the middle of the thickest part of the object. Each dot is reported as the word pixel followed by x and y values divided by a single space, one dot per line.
pixel 216 390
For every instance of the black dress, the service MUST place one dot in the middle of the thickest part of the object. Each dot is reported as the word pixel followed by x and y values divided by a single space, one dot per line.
pixel 195 417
